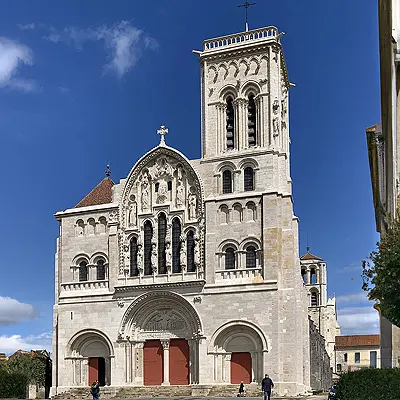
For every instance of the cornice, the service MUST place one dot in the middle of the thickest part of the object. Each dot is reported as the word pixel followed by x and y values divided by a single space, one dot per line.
pixel 160 286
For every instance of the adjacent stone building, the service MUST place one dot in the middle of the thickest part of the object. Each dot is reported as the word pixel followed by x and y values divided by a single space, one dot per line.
pixel 357 351
pixel 186 272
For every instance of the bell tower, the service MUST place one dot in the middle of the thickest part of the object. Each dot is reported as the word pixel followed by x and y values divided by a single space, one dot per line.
pixel 244 94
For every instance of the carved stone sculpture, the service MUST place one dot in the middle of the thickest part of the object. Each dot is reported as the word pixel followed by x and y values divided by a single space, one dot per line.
pixel 145 193
pixel 275 124
pixel 168 255
pixel 139 261
pixel 133 214
pixel 162 191
pixel 183 258
pixel 192 206
pixel 275 107
pixel 196 251
pixel 180 194
pixel 154 257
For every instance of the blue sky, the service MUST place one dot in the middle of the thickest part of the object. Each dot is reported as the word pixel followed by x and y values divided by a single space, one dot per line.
pixel 86 83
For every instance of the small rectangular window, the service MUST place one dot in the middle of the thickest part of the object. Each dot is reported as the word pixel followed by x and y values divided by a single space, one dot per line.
pixel 357 358
pixel 339 368
pixel 345 357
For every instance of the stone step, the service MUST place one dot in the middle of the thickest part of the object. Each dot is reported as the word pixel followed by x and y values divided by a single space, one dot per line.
pixel 155 391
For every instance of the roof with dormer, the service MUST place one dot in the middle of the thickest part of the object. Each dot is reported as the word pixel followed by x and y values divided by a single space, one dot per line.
pixel 101 194
pixel 309 256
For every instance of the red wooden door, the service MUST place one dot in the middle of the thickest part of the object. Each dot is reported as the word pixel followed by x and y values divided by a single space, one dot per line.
pixel 93 369
pixel 153 363
pixel 240 368
pixel 179 362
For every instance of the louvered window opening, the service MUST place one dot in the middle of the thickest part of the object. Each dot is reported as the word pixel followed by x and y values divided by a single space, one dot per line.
pixel 134 271
pixel 251 122
pixel 101 270
pixel 314 299
pixel 162 232
pixel 148 233
pixel 230 124
pixel 176 245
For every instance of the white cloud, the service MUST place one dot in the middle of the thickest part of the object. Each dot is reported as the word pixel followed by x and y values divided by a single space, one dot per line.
pixel 355 298
pixel 9 344
pixel 13 312
pixel 12 56
pixel 123 43
pixel 30 26
pixel 358 320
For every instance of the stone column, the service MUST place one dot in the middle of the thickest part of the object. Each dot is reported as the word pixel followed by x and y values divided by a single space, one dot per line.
pixel 218 133
pixel 254 366
pixel 139 363
pixel 108 370
pixel 226 368
pixel 308 281
pixel 128 358
pixel 165 345
pixel 85 371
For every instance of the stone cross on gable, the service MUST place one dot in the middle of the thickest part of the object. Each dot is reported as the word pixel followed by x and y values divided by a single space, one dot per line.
pixel 162 132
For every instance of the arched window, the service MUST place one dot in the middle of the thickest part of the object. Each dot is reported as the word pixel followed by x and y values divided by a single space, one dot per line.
pixel 230 124
pixel 251 257
pixel 223 214
pixel 176 245
pixel 100 270
pixel 148 234
pixel 162 232
pixel 80 228
pixel 83 271
pixel 91 227
pixel 102 225
pixel 314 299
pixel 304 275
pixel 190 251
pixel 227 181
pixel 313 276
pixel 248 179
pixel 251 122
pixel 230 258
pixel 133 270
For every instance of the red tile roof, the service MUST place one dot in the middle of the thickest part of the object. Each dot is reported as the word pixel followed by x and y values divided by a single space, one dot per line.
pixel 309 256
pixel 344 342
pixel 101 194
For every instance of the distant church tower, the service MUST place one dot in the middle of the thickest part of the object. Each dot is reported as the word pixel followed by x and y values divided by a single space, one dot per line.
pixel 321 309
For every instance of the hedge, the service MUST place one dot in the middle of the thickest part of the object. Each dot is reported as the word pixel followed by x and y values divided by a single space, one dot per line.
pixel 369 384
pixel 13 385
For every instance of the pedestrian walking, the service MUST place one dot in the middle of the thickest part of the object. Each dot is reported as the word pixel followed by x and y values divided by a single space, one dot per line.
pixel 242 392
pixel 95 390
pixel 267 385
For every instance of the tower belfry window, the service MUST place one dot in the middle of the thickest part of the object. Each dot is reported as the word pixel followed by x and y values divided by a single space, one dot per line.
pixel 248 179
pixel 251 122
pixel 230 124
pixel 190 251
pixel 134 271
pixel 227 181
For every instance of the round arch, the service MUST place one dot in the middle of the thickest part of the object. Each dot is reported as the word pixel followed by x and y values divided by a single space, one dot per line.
pixel 171 316
pixel 80 343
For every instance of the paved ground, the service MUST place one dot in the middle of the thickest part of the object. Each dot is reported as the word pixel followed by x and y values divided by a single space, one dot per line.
pixel 226 398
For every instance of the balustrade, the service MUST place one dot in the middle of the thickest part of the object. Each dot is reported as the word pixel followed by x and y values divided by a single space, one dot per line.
pixel 257 34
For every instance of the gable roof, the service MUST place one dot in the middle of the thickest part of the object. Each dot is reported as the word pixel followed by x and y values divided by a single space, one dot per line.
pixel 309 256
pixel 101 194
pixel 343 342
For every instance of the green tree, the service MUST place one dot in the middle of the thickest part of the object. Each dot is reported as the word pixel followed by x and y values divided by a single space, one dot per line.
pixel 381 274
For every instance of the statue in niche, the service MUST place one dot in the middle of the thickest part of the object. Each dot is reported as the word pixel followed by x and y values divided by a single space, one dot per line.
pixel 140 257
pixel 192 205
pixel 275 125
pixel 275 107
pixel 132 214
pixel 180 194
pixel 196 251
pixel 154 257
pixel 162 191
pixel 145 193
pixel 183 258
pixel 168 256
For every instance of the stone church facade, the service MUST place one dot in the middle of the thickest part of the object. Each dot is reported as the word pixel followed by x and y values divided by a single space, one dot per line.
pixel 186 272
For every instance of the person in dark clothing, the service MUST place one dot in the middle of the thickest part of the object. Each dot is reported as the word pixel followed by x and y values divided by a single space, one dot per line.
pixel 267 385
pixel 241 390
pixel 95 390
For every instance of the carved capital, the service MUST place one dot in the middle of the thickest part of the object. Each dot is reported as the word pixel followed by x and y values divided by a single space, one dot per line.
pixel 165 344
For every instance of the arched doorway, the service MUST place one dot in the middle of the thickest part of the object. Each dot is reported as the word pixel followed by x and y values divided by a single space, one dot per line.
pixel 238 348
pixel 165 330
pixel 91 352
